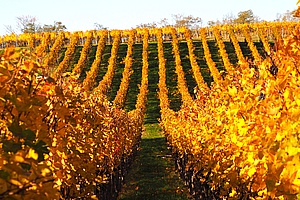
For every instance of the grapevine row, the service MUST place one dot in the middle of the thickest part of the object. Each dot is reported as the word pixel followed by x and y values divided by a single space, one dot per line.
pixel 202 85
pixel 105 83
pixel 84 55
pixel 246 31
pixel 121 94
pixel 64 64
pixel 210 63
pixel 236 45
pixel 241 141
pixel 227 64
pixel 278 30
pixel 89 81
pixel 50 60
pixel 76 145
pixel 182 86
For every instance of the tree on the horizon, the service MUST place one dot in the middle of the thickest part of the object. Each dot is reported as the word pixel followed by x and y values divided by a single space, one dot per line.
pixel 100 26
pixel 164 22
pixel 178 20
pixel 214 23
pixel 245 17
pixel 147 25
pixel 187 21
pixel 288 16
pixel 56 27
pixel 30 24
pixel 9 29
pixel 228 19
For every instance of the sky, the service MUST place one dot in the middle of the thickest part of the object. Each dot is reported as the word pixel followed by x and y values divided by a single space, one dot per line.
pixel 81 15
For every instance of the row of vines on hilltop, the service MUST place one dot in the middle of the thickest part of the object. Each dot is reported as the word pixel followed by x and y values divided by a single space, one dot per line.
pixel 240 138
pixel 269 30
pixel 61 138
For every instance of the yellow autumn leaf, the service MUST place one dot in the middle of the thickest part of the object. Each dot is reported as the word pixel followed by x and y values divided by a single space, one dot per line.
pixel 239 144
pixel 18 158
pixel 292 150
pixel 280 136
pixel 250 157
pixel 45 171
pixel 232 91
pixel 32 154
pixel 233 138
pixel 251 171
pixel 268 130
pixel 15 182
pixel 69 176
pixel 24 179
pixel 298 102
pixel 286 94
pixel 94 197
pixel 262 192
pixel 58 182
pixel 232 193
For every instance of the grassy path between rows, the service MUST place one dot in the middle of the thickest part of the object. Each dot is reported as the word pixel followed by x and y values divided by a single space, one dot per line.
pixel 152 175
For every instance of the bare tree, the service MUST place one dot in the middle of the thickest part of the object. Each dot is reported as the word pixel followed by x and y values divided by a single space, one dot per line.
pixel 179 21
pixel 244 17
pixel 187 21
pixel 164 22
pixel 99 26
pixel 213 23
pixel 147 25
pixel 9 29
pixel 228 19
pixel 288 16
pixel 28 24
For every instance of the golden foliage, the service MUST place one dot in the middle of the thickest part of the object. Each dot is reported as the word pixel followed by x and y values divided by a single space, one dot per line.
pixel 243 136
pixel 242 133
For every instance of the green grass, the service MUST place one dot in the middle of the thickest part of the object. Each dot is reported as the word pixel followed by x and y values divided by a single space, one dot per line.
pixel 152 175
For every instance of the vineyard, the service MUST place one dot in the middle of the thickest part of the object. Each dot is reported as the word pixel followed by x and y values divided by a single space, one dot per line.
pixel 73 109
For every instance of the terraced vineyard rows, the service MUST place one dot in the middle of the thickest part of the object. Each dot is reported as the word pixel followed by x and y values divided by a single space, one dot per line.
pixel 152 115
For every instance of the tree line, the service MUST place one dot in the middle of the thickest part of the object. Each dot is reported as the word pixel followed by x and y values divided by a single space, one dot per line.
pixel 30 24
pixel 247 17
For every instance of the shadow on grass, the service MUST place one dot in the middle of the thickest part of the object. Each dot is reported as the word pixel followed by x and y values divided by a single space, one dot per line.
pixel 153 175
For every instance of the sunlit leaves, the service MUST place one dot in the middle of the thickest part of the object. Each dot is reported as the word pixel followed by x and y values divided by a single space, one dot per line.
pixel 120 98
pixel 182 86
pixel 54 136
pixel 211 64
pixel 84 54
pixel 67 57
pixel 89 81
pixel 106 81
pixel 244 132
pixel 241 134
